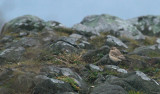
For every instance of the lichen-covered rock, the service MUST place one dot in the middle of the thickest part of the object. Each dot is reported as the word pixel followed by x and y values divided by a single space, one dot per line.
pixel 106 23
pixel 148 25
pixel 24 23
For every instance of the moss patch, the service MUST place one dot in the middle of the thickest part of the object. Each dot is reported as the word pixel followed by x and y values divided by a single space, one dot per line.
pixel 71 81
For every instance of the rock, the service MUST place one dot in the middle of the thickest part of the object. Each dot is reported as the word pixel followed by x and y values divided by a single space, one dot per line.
pixel 113 41
pixel 22 34
pixel 55 72
pixel 6 91
pixel 141 82
pixel 77 36
pixel 63 47
pixel 68 93
pixel 106 88
pixel 6 39
pixel 95 68
pixel 148 25
pixel 152 50
pixel 158 41
pixel 107 23
pixel 24 23
pixel 5 75
pixel 11 55
pixel 94 55
pixel 52 87
pixel 113 67
pixel 24 83
pixel 53 24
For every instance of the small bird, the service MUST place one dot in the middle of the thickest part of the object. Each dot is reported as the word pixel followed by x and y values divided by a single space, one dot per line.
pixel 115 55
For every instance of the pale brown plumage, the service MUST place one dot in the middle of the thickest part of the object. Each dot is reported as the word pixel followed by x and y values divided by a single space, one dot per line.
pixel 115 55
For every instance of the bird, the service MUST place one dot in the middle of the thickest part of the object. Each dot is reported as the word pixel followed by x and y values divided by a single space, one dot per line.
pixel 115 55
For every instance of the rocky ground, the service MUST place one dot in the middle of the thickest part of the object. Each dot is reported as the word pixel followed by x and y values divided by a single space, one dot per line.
pixel 38 57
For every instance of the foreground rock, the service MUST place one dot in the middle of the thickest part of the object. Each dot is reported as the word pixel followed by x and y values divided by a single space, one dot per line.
pixel 107 23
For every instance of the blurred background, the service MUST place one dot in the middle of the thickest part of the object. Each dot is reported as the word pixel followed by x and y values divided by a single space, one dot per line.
pixel 70 12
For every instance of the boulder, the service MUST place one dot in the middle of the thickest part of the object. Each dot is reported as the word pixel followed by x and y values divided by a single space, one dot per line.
pixel 24 23
pixel 148 24
pixel 107 23
pixel 106 88
pixel 152 50
pixel 52 87
pixel 11 55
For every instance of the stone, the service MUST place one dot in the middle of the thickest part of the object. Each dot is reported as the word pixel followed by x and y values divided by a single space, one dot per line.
pixel 113 41
pixel 113 67
pixel 11 55
pixel 148 24
pixel 95 68
pixel 107 23
pixel 24 23
pixel 52 87
pixel 105 88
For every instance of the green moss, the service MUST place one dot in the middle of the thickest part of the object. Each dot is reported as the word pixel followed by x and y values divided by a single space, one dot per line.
pixel 150 40
pixel 135 92
pixel 110 72
pixel 71 81
pixel 131 43
pixel 65 31
pixel 99 41
pixel 154 54
pixel 92 76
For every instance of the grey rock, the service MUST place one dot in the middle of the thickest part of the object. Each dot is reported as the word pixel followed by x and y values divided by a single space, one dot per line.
pixel 113 67
pixel 95 68
pixel 148 24
pixel 51 87
pixel 24 23
pixel 11 54
pixel 108 89
pixel 107 23
pixel 146 50
pixel 94 55
pixel 113 41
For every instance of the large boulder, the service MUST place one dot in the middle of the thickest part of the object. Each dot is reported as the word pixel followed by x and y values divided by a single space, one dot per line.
pixel 107 23
pixel 135 81
pixel 148 25
pixel 24 23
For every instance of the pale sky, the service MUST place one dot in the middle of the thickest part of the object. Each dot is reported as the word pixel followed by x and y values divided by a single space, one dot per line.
pixel 70 12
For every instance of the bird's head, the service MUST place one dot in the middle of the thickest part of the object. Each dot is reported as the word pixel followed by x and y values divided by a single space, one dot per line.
pixel 113 48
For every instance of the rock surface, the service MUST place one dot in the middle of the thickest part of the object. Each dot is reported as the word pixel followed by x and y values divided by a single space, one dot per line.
pixel 38 57
pixel 108 23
